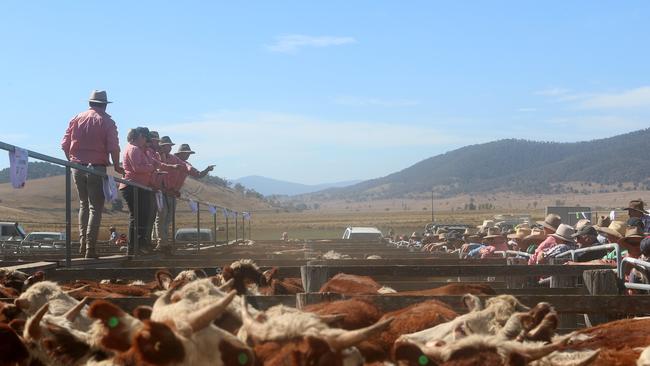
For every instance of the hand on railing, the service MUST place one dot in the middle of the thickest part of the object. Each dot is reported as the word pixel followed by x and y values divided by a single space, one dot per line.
pixel 118 169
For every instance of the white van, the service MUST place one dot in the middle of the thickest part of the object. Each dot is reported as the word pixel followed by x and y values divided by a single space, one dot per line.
pixel 190 234
pixel 362 233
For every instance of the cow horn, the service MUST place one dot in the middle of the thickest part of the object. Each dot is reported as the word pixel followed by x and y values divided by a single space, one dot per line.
pixel 73 313
pixel 227 285
pixel 331 318
pixel 353 337
pixel 34 326
pixel 204 317
pixel 536 353
pixel 75 291
pixel 252 326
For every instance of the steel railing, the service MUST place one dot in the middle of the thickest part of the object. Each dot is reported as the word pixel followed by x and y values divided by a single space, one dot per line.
pixel 68 206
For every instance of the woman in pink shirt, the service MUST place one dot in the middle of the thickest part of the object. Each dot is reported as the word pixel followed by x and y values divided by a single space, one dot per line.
pixel 138 168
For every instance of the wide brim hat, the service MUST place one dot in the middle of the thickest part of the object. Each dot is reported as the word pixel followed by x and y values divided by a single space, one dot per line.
pixel 184 148
pixel 633 237
pixel 552 222
pixel 493 233
pixel 564 232
pixel 99 96
pixel 486 224
pixel 613 229
pixel 636 205
pixel 165 140
pixel 521 233
pixel 535 235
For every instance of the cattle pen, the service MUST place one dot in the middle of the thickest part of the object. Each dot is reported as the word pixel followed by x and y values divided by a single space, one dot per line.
pixel 398 268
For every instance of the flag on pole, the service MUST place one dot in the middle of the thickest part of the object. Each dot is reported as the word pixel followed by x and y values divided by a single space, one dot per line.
pixel 584 215
pixel 212 209
pixel 18 167
pixel 612 215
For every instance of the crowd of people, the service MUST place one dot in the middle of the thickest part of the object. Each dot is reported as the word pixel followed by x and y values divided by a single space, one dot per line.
pixel 91 140
pixel 541 241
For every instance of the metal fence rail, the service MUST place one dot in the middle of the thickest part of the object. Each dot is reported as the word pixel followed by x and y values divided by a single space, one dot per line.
pixel 68 206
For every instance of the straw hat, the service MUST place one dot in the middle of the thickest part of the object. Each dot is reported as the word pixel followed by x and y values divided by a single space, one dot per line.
pixel 441 230
pixel 184 148
pixel 523 225
pixel 586 230
pixel 633 237
pixel 603 221
pixel 521 233
pixel 616 228
pixel 470 231
pixel 536 234
pixel 552 221
pixel 492 233
pixel 564 232
pixel 486 225
pixel 98 96
pixel 582 223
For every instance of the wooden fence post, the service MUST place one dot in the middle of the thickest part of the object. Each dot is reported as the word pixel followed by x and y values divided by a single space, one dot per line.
pixel 313 277
pixel 600 282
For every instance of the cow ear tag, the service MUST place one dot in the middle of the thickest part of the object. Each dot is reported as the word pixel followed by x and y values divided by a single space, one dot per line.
pixel 242 359
pixel 423 360
pixel 113 322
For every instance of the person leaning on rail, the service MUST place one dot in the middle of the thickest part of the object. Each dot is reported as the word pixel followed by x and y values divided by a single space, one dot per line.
pixel 91 137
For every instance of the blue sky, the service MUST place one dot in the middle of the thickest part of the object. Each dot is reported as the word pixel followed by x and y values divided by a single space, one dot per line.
pixel 335 90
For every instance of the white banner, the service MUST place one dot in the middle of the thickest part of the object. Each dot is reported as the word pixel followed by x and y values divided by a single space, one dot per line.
pixel 194 206
pixel 18 160
pixel 110 189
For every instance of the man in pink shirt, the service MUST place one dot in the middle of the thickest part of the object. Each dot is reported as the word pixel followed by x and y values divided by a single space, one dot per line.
pixel 90 139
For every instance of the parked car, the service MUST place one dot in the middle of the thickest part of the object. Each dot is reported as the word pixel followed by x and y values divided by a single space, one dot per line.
pixel 11 231
pixel 362 233
pixel 42 241
pixel 190 235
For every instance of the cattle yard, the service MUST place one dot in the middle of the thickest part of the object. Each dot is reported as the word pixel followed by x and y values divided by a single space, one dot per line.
pixel 412 278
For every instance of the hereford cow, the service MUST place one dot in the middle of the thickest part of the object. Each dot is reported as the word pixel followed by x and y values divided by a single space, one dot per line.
pixel 354 285
pixel 486 320
pixel 298 338
pixel 452 289
pixel 356 313
pixel 190 338
pixel 249 279
pixel 59 301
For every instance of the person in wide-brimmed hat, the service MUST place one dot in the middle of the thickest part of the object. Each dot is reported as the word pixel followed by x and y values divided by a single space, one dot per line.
pixel 517 238
pixel 632 241
pixel 91 140
pixel 586 237
pixel 494 241
pixel 635 209
pixel 614 232
pixel 482 229
pixel 550 223
pixel 563 241
pixel 551 240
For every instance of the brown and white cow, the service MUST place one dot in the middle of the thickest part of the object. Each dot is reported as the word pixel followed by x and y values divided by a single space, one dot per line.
pixel 296 338
pixel 348 284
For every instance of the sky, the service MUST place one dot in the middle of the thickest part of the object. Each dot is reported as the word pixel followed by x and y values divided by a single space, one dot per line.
pixel 316 92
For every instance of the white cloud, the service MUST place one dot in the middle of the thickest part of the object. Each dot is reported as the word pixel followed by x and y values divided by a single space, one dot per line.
pixel 626 99
pixel 632 98
pixel 228 132
pixel 552 92
pixel 291 43
pixel 365 102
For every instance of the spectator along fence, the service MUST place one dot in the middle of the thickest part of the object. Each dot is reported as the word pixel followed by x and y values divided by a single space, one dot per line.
pixel 11 252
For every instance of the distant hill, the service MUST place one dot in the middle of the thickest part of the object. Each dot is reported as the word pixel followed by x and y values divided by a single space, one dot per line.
pixel 35 170
pixel 515 166
pixel 270 186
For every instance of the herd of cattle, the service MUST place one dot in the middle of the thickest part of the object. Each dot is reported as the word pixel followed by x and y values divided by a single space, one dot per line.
pixel 197 319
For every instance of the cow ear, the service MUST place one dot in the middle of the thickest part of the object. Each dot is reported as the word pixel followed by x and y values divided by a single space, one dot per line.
pixel 412 354
pixel 228 273
pixel 316 348
pixel 157 344
pixel 233 354
pixel 472 302
pixel 164 278
pixel 142 312
pixel 112 319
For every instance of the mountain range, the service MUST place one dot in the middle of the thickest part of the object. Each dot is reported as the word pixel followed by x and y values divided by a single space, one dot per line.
pixel 512 165
pixel 270 186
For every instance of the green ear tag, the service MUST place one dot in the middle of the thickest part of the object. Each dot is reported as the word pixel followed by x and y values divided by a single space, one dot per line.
pixel 423 360
pixel 113 322
pixel 242 358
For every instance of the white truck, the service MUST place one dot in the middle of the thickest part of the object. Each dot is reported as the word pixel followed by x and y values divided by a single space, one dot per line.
pixel 362 233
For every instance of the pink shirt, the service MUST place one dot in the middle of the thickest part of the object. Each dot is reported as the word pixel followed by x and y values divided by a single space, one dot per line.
pixel 176 178
pixel 156 179
pixel 548 243
pixel 90 138
pixel 137 166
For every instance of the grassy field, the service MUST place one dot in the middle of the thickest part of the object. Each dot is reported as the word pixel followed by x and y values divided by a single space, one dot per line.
pixel 40 207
